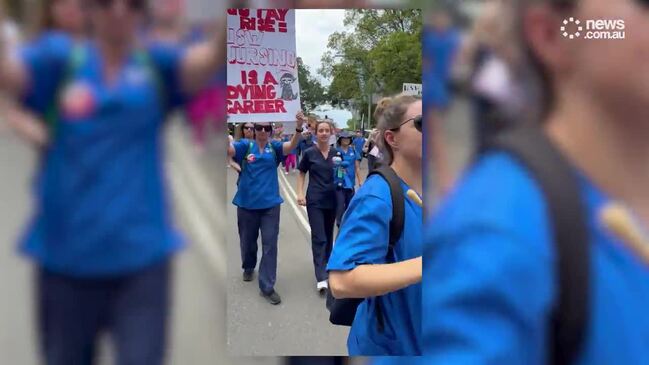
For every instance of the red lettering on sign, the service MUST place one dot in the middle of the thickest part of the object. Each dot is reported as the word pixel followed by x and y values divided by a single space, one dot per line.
pixel 256 106
pixel 269 79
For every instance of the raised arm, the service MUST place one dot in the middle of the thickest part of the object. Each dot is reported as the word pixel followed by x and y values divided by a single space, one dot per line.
pixel 13 74
pixel 202 61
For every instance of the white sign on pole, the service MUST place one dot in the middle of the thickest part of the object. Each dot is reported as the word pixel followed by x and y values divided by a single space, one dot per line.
pixel 262 68
pixel 412 89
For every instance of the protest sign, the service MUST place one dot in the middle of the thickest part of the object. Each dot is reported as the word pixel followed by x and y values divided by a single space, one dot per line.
pixel 262 68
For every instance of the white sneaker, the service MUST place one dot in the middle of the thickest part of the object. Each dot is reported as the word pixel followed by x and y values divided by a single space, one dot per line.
pixel 322 285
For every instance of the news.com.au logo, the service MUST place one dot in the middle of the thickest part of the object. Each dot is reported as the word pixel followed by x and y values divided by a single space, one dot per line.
pixel 593 28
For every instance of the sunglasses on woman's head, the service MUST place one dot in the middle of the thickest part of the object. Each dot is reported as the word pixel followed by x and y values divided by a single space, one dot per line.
pixel 132 4
pixel 416 121
pixel 267 128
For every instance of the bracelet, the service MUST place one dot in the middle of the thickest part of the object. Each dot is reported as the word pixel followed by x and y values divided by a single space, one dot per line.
pixel 299 130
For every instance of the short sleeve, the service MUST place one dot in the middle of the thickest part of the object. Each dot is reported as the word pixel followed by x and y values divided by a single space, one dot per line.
pixel 45 61
pixel 240 149
pixel 167 59
pixel 364 234
pixel 279 149
pixel 305 162
pixel 495 307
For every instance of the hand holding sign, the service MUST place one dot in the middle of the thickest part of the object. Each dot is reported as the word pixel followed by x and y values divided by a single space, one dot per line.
pixel 300 119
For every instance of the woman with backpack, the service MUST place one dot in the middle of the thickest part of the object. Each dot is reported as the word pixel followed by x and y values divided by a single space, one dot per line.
pixel 365 262
pixel 514 271
pixel 258 201
pixel 320 198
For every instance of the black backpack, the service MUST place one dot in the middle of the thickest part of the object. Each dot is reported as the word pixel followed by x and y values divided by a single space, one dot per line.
pixel 566 212
pixel 343 311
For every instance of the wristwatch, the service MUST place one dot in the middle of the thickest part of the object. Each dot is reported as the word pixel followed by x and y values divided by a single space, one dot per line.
pixel 299 130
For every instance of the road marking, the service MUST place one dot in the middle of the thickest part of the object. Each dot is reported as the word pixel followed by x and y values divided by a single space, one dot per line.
pixel 190 190
pixel 289 194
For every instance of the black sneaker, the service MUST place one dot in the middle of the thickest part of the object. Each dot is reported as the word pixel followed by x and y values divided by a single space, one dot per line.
pixel 247 275
pixel 272 297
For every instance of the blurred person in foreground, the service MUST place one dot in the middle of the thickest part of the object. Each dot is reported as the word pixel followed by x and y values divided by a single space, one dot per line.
pixel 485 59
pixel 491 289
pixel 441 41
pixel 102 237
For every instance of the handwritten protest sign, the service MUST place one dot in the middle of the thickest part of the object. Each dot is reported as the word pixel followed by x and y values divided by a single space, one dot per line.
pixel 262 68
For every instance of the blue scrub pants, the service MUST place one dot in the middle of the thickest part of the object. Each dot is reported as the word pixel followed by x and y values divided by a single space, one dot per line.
pixel 250 222
pixel 322 238
pixel 133 308
pixel 343 197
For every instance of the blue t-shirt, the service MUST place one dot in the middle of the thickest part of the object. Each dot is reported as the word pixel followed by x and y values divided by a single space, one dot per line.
pixel 321 190
pixel 258 185
pixel 100 194
pixel 350 170
pixel 359 142
pixel 490 282
pixel 439 49
pixel 363 239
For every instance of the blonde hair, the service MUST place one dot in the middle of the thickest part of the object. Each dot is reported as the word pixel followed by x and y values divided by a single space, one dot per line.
pixel 390 113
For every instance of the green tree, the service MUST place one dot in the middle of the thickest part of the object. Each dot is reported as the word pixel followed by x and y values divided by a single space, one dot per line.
pixel 381 53
pixel 312 93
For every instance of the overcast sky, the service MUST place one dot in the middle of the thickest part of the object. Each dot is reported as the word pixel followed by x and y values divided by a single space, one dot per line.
pixel 313 28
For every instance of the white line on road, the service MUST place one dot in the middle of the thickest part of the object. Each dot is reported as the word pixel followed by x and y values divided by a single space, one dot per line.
pixel 289 194
pixel 191 190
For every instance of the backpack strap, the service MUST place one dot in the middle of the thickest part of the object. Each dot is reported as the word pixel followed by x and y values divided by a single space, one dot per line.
pixel 566 212
pixel 396 222
pixel 244 161
pixel 143 58
pixel 75 61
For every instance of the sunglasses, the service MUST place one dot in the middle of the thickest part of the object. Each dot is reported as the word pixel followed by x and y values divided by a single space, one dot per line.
pixel 267 128
pixel 416 120
pixel 248 127
pixel 137 5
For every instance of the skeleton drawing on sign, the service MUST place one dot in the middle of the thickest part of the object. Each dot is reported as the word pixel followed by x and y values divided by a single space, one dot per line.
pixel 286 83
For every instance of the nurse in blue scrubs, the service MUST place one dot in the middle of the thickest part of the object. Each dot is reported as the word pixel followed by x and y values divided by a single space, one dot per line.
pixel 345 176
pixel 362 265
pixel 258 201
pixel 320 199
pixel 101 236
pixel 490 268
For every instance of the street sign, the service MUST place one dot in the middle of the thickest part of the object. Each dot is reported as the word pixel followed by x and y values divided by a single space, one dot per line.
pixel 412 89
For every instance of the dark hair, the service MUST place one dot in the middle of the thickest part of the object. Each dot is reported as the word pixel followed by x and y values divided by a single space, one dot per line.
pixel 390 112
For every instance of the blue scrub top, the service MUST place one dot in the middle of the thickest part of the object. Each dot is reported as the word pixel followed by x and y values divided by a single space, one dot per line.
pixel 498 305
pixel 258 185
pixel 321 190
pixel 359 142
pixel 350 157
pixel 363 239
pixel 101 208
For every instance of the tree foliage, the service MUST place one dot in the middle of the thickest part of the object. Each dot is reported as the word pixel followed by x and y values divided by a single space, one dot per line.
pixel 312 93
pixel 381 53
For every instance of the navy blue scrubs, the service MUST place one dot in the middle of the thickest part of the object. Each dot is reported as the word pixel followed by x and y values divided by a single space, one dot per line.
pixel 258 205
pixel 320 205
